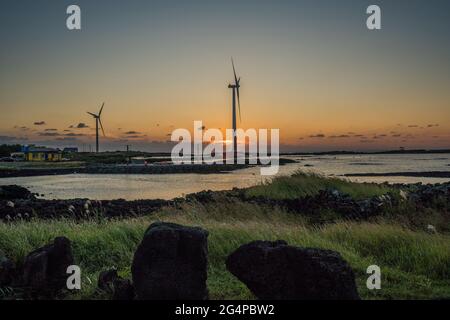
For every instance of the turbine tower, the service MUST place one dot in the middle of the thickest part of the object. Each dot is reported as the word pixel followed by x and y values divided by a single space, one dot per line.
pixel 235 87
pixel 98 121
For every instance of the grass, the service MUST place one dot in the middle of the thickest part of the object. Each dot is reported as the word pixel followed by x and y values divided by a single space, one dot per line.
pixel 414 264
pixel 303 184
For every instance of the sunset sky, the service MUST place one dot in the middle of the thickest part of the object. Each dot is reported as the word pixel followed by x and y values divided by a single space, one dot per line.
pixel 310 68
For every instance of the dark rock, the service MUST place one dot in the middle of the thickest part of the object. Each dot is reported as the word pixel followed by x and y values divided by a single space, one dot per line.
pixel 106 278
pixel 14 192
pixel 44 269
pixel 171 263
pixel 123 289
pixel 7 271
pixel 275 270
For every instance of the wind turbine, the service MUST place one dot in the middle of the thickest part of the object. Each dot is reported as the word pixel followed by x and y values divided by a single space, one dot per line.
pixel 235 87
pixel 98 121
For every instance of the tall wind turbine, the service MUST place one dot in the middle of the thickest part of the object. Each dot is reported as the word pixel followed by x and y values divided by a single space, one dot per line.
pixel 235 87
pixel 98 121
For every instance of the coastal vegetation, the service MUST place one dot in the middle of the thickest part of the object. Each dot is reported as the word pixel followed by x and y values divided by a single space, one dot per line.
pixel 415 263
pixel 300 185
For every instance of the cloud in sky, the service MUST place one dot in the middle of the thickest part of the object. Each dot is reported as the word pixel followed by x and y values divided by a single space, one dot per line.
pixel 319 135
pixel 10 139
pixel 82 125
pixel 48 134
pixel 39 123
pixel 7 138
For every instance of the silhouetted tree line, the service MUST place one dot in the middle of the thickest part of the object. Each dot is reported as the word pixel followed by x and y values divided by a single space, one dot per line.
pixel 7 149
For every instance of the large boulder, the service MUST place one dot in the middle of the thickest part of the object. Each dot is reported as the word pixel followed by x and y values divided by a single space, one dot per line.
pixel 14 192
pixel 171 263
pixel 44 269
pixel 275 270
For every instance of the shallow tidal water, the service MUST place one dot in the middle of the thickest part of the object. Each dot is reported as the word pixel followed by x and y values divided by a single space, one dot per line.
pixel 168 186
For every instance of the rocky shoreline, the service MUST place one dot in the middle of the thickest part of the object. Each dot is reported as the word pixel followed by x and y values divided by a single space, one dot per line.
pixel 419 174
pixel 19 203
pixel 130 169
pixel 122 169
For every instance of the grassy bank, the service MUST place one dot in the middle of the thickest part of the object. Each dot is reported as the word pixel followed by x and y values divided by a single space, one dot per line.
pixel 301 185
pixel 414 264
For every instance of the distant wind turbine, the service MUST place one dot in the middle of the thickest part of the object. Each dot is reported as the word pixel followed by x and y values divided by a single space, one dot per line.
pixel 98 121
pixel 235 88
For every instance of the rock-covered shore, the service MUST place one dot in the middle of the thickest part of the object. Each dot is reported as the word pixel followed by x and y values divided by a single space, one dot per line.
pixel 167 168
pixel 121 169
pixel 19 203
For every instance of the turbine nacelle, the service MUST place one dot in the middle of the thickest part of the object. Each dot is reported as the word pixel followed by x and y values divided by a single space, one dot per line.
pixel 96 116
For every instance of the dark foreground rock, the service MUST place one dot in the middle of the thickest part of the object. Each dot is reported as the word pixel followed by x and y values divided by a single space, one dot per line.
pixel 121 289
pixel 106 278
pixel 275 270
pixel 7 271
pixel 44 269
pixel 171 263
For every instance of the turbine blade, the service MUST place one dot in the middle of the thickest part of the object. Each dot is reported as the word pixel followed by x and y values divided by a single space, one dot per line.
pixel 101 126
pixel 92 114
pixel 101 109
pixel 234 71
pixel 239 103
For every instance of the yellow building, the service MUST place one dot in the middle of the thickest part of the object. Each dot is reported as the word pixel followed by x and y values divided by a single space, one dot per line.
pixel 42 154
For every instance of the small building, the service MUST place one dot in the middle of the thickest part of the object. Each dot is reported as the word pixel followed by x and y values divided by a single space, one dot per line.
pixel 70 150
pixel 41 154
